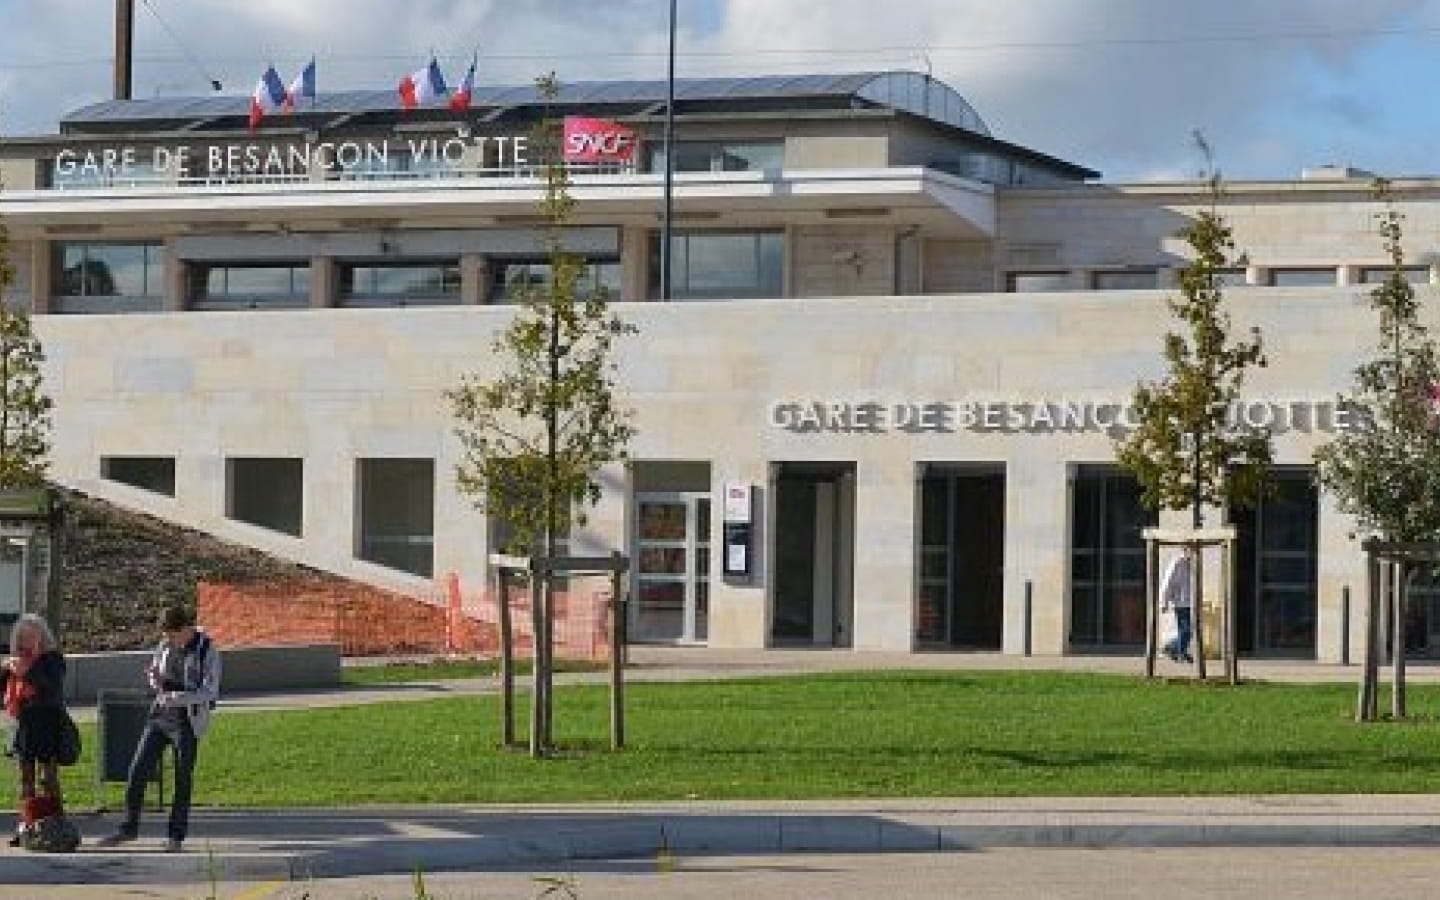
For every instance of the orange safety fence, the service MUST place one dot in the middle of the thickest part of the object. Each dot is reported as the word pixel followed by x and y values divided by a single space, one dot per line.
pixel 369 621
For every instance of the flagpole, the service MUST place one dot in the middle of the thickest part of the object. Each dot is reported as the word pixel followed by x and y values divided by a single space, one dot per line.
pixel 669 191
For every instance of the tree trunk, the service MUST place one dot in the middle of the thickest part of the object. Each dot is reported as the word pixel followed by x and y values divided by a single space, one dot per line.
pixel 1398 594
pixel 537 680
pixel 1197 609
pixel 1152 605
pixel 1365 712
pixel 507 662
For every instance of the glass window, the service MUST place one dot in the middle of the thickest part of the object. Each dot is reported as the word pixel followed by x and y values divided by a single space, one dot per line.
pixel 268 492
pixel 1107 558
pixel 397 514
pixel 151 473
pixel 1228 278
pixel 1124 280
pixel 1411 274
pixel 396 284
pixel 720 156
pixel 251 286
pixel 1302 277
pixel 509 277
pixel 1037 282
pixel 107 277
pixel 710 265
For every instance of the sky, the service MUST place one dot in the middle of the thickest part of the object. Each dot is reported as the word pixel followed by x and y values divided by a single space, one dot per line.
pixel 1275 86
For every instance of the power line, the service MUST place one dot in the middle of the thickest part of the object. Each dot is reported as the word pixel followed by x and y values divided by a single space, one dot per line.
pixel 916 50
pixel 194 60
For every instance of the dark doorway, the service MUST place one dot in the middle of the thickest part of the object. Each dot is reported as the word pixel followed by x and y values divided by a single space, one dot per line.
pixel 813 571
pixel 961 599
pixel 1277 560
pixel 1107 558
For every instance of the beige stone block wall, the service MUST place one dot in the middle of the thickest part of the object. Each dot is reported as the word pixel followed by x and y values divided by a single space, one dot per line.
pixel 18 174
pixel 832 261
pixel 960 267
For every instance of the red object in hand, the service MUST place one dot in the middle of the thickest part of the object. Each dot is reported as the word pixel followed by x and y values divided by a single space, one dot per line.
pixel 18 692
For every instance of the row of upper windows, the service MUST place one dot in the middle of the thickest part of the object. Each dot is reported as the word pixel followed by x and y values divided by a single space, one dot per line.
pixel 114 277
pixel 1132 279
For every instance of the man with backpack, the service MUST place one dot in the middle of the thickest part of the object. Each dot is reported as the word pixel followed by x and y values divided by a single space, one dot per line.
pixel 184 673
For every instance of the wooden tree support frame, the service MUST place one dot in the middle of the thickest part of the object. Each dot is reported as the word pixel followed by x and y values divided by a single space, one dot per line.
pixel 1388 567
pixel 1198 539
pixel 540 570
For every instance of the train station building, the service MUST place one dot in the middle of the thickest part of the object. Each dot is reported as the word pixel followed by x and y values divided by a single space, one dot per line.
pixel 878 411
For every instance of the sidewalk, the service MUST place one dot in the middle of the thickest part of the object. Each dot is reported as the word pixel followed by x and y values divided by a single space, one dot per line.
pixel 285 845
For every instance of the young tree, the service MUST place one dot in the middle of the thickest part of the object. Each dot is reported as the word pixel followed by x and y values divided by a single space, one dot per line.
pixel 1386 473
pixel 24 407
pixel 536 435
pixel 1187 450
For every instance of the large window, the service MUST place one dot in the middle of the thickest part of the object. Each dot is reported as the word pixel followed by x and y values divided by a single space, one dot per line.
pixel 720 156
pixel 108 277
pixel 399 284
pixel 1107 558
pixel 1411 274
pixel 1124 280
pixel 1037 282
pixel 717 265
pixel 250 286
pixel 1302 277
pixel 151 473
pixel 268 492
pixel 508 278
pixel 396 502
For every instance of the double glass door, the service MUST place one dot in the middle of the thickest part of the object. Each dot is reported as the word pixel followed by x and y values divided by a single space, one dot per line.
pixel 672 568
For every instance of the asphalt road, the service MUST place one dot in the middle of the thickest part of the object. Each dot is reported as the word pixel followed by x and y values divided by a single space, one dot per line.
pixel 1274 873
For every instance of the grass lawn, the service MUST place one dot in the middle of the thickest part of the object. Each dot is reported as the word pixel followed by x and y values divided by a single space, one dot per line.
pixel 891 734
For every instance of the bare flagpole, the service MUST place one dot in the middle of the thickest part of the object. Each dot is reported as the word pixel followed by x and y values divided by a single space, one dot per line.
pixel 667 214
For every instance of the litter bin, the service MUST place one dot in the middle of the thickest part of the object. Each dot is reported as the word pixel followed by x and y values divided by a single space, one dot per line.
pixel 120 716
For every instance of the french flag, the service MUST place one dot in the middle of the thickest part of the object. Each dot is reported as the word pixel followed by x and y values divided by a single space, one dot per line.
pixel 423 86
pixel 269 97
pixel 303 85
pixel 460 100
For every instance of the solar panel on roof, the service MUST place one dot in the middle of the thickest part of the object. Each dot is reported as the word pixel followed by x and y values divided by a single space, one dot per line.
pixel 886 88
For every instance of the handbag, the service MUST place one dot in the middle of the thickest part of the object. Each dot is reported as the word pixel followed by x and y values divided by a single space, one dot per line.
pixel 67 752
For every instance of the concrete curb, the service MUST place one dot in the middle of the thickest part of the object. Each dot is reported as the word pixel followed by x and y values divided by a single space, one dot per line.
pixel 571 840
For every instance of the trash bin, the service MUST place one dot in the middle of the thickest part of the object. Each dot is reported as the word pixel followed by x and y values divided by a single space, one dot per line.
pixel 120 716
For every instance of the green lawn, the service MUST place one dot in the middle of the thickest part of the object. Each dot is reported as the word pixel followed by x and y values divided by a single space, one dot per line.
pixel 892 734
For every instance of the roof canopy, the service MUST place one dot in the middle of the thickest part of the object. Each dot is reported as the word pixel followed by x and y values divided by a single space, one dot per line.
pixel 910 92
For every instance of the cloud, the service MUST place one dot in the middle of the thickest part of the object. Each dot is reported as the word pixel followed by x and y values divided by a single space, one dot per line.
pixel 1114 84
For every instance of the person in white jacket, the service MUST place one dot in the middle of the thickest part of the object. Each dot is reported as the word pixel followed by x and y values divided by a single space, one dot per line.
pixel 184 673
pixel 1176 597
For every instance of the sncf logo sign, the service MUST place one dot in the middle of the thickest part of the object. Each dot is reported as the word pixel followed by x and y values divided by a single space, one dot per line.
pixel 598 140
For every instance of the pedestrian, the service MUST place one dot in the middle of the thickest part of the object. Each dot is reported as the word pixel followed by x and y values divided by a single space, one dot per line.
pixel 45 738
pixel 1176 591
pixel 184 673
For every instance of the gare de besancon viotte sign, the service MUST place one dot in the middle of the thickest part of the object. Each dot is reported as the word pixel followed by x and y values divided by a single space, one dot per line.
pixel 1044 416
pixel 585 140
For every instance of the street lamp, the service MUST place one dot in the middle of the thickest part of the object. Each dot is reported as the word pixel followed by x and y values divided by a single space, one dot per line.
pixel 667 212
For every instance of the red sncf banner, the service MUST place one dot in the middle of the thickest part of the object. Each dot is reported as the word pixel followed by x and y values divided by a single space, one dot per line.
pixel 598 140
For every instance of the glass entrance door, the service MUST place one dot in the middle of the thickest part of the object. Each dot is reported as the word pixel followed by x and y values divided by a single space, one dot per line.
pixel 672 568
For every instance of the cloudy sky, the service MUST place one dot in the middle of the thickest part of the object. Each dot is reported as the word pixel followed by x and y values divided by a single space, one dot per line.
pixel 1118 85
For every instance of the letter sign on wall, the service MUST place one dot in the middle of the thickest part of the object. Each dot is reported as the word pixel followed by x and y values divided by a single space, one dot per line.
pixel 590 140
